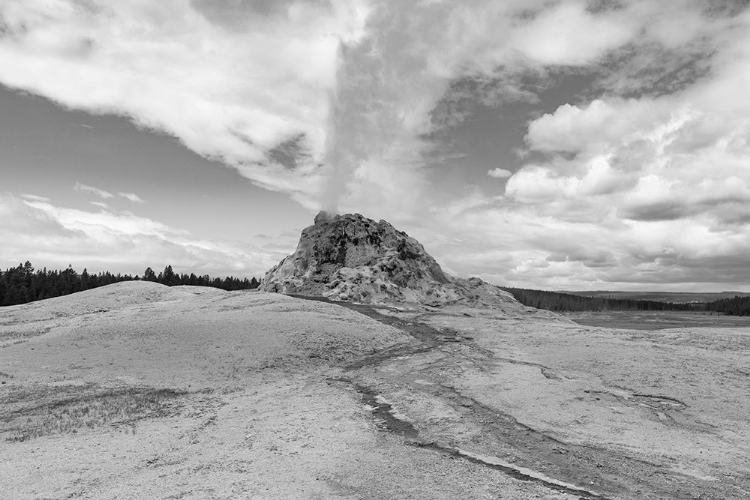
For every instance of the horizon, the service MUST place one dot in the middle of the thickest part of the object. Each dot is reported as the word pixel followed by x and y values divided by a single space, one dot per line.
pixel 260 277
pixel 571 145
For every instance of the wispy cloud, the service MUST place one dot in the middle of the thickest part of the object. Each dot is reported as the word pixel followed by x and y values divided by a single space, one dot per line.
pixel 99 204
pixel 92 190
pixel 132 197
pixel 33 197
pixel 55 236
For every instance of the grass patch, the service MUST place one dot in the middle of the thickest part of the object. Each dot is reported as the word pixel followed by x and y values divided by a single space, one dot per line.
pixel 120 407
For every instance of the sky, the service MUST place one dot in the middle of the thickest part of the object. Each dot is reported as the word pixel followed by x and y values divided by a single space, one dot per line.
pixel 567 145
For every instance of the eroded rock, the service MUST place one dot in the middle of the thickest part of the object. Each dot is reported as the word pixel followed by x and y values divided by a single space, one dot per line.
pixel 353 258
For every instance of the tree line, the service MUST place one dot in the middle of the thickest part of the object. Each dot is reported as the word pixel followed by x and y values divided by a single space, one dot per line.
pixel 737 306
pixel 22 284
pixel 557 301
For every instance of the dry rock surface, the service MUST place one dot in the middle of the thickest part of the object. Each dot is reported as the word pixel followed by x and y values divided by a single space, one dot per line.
pixel 136 390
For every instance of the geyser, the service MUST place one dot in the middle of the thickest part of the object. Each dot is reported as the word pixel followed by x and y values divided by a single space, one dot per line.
pixel 353 258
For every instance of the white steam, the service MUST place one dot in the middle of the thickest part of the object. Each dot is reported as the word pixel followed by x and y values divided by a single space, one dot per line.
pixel 391 79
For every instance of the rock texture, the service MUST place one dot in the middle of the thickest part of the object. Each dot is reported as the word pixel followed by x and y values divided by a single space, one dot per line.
pixel 353 258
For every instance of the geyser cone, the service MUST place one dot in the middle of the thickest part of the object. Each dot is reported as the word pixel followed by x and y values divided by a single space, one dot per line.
pixel 351 257
pixel 324 217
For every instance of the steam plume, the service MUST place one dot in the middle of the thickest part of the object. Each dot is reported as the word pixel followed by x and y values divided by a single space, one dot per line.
pixel 390 80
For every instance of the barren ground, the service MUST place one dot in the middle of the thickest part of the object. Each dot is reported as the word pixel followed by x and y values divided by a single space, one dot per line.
pixel 136 390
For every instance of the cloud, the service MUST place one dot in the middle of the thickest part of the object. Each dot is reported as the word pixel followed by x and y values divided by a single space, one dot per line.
pixel 499 173
pixel 642 177
pixel 99 204
pixel 570 35
pixel 657 158
pixel 421 69
pixel 55 236
pixel 420 66
pixel 34 197
pixel 505 244
pixel 92 190
pixel 232 83
pixel 568 181
pixel 303 97
pixel 674 50
pixel 593 127
pixel 648 191
pixel 132 197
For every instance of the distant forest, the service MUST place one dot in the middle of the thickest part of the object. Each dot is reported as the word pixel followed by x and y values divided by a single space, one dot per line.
pixel 737 306
pixel 556 301
pixel 22 284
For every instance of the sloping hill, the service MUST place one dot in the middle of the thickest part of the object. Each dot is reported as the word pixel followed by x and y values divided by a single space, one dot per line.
pixel 143 331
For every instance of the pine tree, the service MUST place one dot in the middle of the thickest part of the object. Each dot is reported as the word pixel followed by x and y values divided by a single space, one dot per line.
pixel 149 275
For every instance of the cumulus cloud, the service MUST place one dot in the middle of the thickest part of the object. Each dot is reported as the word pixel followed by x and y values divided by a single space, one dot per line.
pixel 55 236
pixel 596 125
pixel 569 34
pixel 659 158
pixel 83 188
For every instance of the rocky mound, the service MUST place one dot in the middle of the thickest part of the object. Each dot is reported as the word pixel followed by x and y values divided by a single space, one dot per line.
pixel 353 258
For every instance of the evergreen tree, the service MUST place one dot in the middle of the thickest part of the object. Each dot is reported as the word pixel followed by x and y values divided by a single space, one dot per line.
pixel 168 277
pixel 84 279
pixel 149 275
